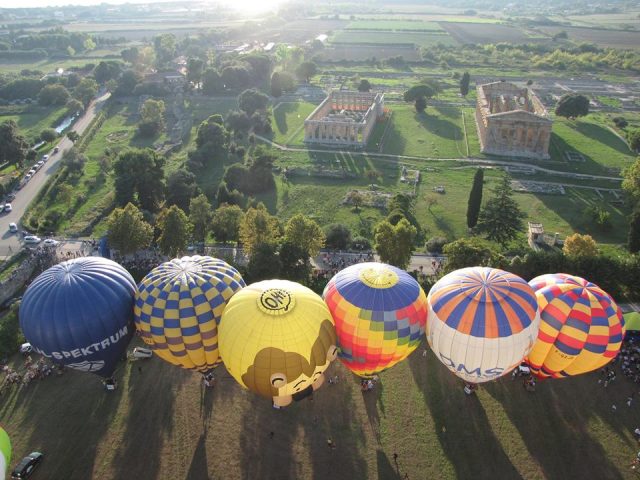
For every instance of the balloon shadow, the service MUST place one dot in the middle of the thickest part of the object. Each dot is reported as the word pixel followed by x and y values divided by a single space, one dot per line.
pixel 385 469
pixel 461 424
pixel 198 470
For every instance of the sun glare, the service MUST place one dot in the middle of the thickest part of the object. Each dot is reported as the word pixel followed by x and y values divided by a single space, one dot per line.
pixel 253 6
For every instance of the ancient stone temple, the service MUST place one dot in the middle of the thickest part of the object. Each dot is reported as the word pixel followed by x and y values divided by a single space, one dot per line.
pixel 512 121
pixel 344 119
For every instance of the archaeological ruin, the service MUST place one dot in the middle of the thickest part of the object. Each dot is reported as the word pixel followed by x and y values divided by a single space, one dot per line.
pixel 512 121
pixel 344 118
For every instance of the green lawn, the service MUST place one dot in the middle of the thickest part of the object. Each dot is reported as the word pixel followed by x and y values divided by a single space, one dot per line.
pixel 437 133
pixel 601 148
pixel 288 122
pixel 202 107
pixel 33 119
pixel 161 424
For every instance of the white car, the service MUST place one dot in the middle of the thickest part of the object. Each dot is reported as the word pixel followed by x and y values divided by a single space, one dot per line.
pixel 45 157
pixel 32 172
pixel 8 207
pixel 141 352
pixel 32 239
pixel 26 348
pixel 50 242
pixel 40 164
pixel 13 228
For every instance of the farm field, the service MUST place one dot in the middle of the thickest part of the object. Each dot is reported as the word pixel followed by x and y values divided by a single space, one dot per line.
pixel 487 33
pixel 609 20
pixel 601 37
pixel 161 424
pixel 401 25
pixel 378 37
pixel 337 52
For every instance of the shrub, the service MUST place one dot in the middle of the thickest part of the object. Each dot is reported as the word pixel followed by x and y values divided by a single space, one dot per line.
pixel 435 244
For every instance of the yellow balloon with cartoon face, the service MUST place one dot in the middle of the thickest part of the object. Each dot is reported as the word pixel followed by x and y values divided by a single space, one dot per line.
pixel 277 338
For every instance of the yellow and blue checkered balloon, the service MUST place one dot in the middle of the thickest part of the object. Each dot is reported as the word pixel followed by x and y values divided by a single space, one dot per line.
pixel 178 307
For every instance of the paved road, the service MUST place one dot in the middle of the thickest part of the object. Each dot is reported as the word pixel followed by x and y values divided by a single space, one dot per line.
pixel 10 242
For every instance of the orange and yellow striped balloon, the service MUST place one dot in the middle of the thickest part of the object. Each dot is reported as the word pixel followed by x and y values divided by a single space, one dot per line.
pixel 581 327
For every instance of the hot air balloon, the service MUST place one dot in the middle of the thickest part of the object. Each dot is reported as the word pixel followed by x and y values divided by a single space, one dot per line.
pixel 178 307
pixel 380 313
pixel 482 322
pixel 276 339
pixel 5 452
pixel 581 327
pixel 79 313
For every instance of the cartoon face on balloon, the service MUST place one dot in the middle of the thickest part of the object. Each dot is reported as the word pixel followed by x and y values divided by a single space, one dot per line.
pixel 277 338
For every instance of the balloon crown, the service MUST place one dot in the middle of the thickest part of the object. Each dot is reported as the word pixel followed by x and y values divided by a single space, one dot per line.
pixel 378 277
pixel 276 301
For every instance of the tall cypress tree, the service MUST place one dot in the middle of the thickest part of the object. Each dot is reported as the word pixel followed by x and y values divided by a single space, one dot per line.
pixel 633 240
pixel 464 84
pixel 475 199
pixel 501 218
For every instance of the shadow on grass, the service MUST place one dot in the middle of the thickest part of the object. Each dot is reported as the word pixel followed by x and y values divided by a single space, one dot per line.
pixel 557 149
pixel 280 116
pixel 603 135
pixel 439 126
pixel 554 424
pixel 386 471
pixel 312 421
pixel 150 418
pixel 198 469
pixel 466 436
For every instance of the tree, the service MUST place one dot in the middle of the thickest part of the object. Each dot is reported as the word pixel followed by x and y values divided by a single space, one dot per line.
pixel 258 226
pixel 464 84
pixel 264 263
pixel 633 239
pixel 55 94
pixel 364 86
pixel 200 216
pixel 305 233
pixel 306 70
pixel 181 188
pixel 85 91
pixel 631 179
pixel 151 117
pixel 106 71
pixel 356 199
pixel 73 136
pixel 131 55
pixel 395 244
pixel 420 104
pixel 175 229
pixel 633 136
pixel 127 83
pixel 73 160
pixel 577 245
pixel 48 135
pixel 211 82
pixel 475 199
pixel 470 252
pixel 225 225
pixel 13 146
pixel 252 100
pixel 276 85
pixel 74 106
pixel 139 174
pixel 238 121
pixel 295 262
pixel 127 231
pixel 337 236
pixel 416 91
pixel 195 68
pixel 501 218
pixel 65 194
pixel 164 46
pixel 572 106
pixel 235 77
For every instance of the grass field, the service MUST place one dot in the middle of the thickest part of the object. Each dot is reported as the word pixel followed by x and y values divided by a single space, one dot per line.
pixel 600 37
pixel 33 119
pixel 486 33
pixel 161 424
pixel 288 122
pixel 376 37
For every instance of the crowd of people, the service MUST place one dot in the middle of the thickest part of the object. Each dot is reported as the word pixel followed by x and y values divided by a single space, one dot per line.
pixel 33 371
pixel 331 262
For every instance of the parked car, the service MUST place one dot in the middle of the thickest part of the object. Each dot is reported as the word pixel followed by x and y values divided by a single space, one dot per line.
pixel 32 172
pixel 11 196
pixel 45 157
pixel 26 348
pixel 40 164
pixel 26 178
pixel 50 242
pixel 32 239
pixel 55 150
pixel 7 207
pixel 13 228
pixel 141 352
pixel 26 466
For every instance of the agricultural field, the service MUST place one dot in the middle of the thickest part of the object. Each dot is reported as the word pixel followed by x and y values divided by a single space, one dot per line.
pixel 600 37
pixel 187 431
pixel 620 21
pixel 488 33
pixel 379 37
pixel 394 25
pixel 358 53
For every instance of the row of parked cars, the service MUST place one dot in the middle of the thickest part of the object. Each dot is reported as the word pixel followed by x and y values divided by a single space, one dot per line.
pixel 35 168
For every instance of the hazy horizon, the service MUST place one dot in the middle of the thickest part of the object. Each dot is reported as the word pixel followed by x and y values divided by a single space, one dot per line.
pixel 235 4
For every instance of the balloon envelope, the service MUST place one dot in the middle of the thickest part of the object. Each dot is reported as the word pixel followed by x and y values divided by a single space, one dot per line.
pixel 178 307
pixel 482 322
pixel 5 452
pixel 581 327
pixel 277 338
pixel 380 314
pixel 79 313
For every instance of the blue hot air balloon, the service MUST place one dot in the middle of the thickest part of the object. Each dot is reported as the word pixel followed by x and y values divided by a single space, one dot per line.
pixel 79 314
